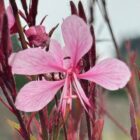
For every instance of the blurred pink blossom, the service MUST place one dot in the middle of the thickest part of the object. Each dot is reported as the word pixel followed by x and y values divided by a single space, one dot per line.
pixel 111 74
pixel 37 35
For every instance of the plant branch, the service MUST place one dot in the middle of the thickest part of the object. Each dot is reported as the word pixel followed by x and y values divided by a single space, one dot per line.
pixel 17 113
pixel 88 126
pixel 106 17
pixel 18 23
pixel 43 125
pixel 64 126
pixel 125 131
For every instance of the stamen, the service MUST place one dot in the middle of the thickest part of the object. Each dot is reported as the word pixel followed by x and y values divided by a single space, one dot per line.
pixel 69 97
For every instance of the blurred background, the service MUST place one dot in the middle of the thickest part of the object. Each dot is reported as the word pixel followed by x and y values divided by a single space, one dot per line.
pixel 125 20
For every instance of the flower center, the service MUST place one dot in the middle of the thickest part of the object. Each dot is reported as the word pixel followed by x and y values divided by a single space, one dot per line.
pixel 69 71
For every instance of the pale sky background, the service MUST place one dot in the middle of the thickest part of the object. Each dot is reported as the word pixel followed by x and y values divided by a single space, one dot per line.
pixel 124 16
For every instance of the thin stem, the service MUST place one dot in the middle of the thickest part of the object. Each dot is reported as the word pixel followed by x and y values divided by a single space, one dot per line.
pixel 6 105
pixel 64 126
pixel 91 11
pixel 24 5
pixel 113 37
pixel 43 125
pixel 85 87
pixel 134 129
pixel 17 113
pixel 12 90
pixel 42 120
pixel 18 23
pixel 106 17
pixel 88 126
pixel 114 121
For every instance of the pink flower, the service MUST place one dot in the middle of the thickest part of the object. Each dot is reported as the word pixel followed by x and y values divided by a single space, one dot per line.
pixel 111 74
pixel 37 35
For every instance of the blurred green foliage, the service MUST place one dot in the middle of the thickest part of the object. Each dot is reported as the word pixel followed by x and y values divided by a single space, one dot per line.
pixel 15 43
pixel 20 81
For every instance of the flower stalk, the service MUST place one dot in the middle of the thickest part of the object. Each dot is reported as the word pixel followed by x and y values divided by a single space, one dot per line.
pixel 43 125
pixel 18 24
pixel 17 114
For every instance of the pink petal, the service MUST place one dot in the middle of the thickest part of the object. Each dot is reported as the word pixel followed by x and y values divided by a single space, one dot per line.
pixel 57 52
pixel 80 93
pixel 33 61
pixel 77 37
pixel 37 94
pixel 111 74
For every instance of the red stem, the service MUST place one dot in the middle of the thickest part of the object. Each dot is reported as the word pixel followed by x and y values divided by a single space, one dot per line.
pixel 43 125
pixel 18 23
pixel 17 113
pixel 106 17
